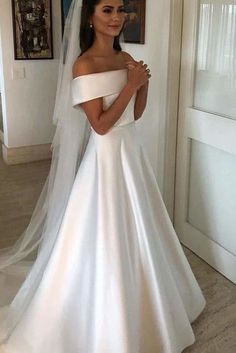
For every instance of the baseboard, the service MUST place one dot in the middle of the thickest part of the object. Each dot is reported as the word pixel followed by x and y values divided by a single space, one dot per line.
pixel 218 257
pixel 25 154
pixel 1 136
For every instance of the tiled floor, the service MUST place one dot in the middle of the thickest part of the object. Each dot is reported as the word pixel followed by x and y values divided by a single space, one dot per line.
pixel 1 122
pixel 20 186
pixel 215 328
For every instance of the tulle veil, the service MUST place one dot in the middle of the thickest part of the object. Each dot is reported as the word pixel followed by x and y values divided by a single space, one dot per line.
pixel 23 263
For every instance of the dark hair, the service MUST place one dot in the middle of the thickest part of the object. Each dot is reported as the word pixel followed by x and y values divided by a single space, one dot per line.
pixel 87 33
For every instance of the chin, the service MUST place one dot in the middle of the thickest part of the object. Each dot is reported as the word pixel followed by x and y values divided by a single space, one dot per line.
pixel 110 32
pixel 113 33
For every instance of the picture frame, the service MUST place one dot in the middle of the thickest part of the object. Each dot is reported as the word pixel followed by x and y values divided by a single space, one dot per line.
pixel 134 30
pixel 65 5
pixel 32 29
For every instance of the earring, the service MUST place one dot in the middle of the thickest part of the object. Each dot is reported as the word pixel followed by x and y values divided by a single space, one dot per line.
pixel 91 25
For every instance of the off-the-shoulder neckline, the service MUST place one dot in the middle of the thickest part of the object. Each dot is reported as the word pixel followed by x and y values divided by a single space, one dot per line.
pixel 96 73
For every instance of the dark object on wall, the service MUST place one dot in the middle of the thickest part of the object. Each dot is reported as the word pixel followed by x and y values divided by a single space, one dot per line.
pixel 134 30
pixel 32 24
pixel 65 5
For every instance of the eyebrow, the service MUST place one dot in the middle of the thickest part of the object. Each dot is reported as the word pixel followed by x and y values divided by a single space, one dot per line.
pixel 112 7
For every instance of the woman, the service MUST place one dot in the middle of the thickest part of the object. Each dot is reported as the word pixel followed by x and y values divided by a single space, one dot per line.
pixel 116 278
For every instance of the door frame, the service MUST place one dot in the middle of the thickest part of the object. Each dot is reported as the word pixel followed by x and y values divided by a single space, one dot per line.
pixel 172 106
pixel 3 97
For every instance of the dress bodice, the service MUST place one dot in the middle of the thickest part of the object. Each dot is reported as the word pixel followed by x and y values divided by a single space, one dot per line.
pixel 106 84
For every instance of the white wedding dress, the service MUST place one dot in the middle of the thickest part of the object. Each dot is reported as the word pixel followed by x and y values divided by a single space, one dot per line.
pixel 117 280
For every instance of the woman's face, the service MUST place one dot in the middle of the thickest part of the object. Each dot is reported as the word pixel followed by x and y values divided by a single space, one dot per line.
pixel 108 17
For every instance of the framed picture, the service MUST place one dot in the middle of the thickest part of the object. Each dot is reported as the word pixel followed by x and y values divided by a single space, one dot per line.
pixel 134 30
pixel 65 5
pixel 32 26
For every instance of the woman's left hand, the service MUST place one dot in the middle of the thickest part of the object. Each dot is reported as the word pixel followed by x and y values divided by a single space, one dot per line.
pixel 131 65
pixel 141 97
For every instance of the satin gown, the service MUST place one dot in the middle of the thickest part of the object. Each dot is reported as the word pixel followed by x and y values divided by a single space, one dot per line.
pixel 118 280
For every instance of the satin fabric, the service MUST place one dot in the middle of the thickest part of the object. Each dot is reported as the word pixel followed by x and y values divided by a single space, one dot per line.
pixel 117 280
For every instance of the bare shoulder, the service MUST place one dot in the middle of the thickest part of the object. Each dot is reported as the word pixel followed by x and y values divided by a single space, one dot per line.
pixel 83 65
pixel 127 56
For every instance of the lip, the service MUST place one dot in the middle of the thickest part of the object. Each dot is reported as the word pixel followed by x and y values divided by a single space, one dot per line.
pixel 115 26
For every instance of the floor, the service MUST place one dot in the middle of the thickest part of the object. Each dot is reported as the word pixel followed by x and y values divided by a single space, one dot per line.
pixel 1 119
pixel 215 328
pixel 20 187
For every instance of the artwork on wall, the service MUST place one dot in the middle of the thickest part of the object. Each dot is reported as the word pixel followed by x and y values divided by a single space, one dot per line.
pixel 134 31
pixel 32 25
pixel 65 5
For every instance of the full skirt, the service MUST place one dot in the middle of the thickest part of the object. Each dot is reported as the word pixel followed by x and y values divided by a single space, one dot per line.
pixel 118 280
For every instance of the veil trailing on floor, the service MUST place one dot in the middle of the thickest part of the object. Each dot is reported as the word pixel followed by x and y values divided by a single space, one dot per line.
pixel 22 265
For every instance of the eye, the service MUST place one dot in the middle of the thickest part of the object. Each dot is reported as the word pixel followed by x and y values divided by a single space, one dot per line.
pixel 121 10
pixel 107 10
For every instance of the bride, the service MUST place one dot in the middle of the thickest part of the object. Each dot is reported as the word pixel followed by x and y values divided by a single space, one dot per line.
pixel 100 268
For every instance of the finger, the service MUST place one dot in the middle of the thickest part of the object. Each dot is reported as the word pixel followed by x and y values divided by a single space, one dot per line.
pixel 140 64
pixel 130 66
pixel 144 69
pixel 131 62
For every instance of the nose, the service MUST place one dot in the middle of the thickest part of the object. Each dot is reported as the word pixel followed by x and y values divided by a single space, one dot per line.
pixel 117 16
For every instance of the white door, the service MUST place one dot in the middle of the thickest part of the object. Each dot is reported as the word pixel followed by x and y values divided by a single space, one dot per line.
pixel 205 200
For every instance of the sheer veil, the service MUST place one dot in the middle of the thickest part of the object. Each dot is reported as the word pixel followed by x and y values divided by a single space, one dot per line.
pixel 22 265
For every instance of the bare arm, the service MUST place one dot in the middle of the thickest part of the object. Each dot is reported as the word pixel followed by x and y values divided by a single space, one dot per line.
pixel 101 120
pixel 141 101
pixel 142 93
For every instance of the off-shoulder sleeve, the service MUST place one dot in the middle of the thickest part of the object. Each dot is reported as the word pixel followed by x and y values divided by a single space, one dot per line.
pixel 88 87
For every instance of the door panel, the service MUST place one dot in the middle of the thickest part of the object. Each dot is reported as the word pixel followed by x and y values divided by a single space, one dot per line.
pixel 213 178
pixel 215 73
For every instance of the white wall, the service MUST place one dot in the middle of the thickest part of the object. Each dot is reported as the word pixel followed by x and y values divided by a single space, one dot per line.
pixel 155 53
pixel 28 102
